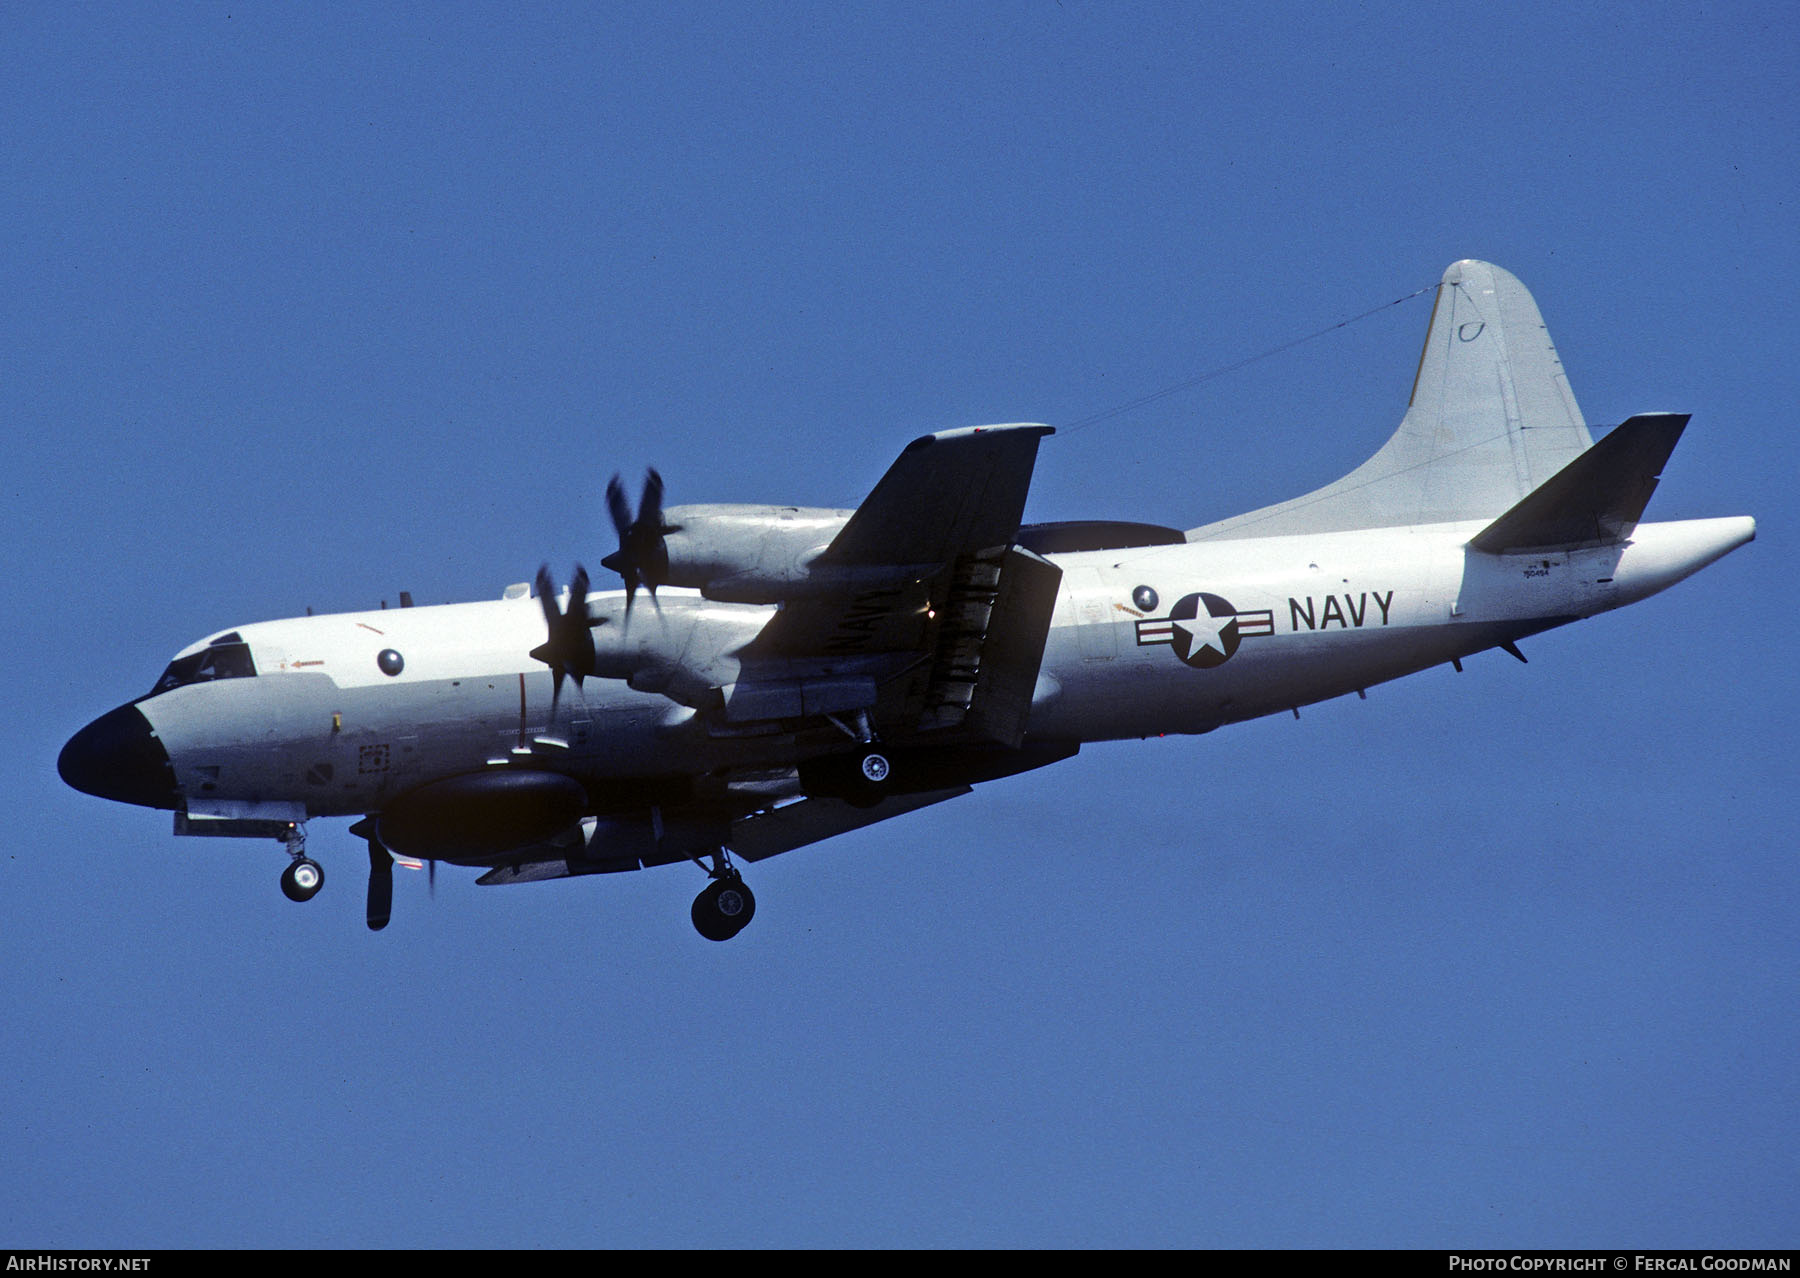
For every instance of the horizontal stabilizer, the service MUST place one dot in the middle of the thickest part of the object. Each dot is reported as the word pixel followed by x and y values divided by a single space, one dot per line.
pixel 1598 498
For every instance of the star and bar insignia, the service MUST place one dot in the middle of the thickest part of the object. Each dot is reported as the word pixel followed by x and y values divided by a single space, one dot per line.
pixel 1204 629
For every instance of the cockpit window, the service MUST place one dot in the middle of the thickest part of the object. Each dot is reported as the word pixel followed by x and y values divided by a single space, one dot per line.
pixel 227 657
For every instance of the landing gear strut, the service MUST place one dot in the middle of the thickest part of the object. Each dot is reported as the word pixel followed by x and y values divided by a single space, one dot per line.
pixel 863 777
pixel 303 878
pixel 727 905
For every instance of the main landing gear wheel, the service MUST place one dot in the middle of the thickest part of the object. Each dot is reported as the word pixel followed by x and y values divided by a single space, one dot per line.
pixel 724 909
pixel 302 880
pixel 867 783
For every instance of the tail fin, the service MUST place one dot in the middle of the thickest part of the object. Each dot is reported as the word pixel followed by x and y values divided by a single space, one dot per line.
pixel 1491 418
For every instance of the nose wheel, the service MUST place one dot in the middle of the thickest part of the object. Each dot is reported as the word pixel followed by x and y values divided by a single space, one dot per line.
pixel 725 908
pixel 302 880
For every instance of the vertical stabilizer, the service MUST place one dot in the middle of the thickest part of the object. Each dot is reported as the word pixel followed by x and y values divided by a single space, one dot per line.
pixel 1491 417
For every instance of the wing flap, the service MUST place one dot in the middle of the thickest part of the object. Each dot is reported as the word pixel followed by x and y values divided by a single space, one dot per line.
pixel 989 649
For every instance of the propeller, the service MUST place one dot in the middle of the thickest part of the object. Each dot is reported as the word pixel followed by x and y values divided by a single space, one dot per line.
pixel 381 886
pixel 642 558
pixel 381 873
pixel 569 651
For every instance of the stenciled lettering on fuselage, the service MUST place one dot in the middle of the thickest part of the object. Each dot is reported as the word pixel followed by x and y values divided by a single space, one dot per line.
pixel 856 628
pixel 1348 612
pixel 1204 630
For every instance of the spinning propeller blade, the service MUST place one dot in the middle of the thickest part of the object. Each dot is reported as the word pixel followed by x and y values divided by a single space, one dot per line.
pixel 569 649
pixel 381 886
pixel 642 558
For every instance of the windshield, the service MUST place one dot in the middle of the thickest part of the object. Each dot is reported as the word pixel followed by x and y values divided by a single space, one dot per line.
pixel 227 657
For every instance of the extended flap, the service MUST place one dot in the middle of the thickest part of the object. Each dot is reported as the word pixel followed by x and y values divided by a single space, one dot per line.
pixel 1013 647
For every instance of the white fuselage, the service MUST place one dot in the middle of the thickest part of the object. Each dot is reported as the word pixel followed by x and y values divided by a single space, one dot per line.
pixel 324 728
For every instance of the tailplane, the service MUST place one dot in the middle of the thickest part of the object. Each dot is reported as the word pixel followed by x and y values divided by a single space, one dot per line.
pixel 1597 499
pixel 1490 419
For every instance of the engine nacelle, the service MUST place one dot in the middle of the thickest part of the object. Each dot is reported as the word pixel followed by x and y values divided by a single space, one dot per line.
pixel 481 817
pixel 744 553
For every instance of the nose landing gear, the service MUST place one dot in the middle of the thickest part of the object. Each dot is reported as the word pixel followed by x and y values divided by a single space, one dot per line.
pixel 303 878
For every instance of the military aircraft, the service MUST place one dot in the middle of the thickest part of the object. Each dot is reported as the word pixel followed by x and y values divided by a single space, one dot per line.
pixel 791 674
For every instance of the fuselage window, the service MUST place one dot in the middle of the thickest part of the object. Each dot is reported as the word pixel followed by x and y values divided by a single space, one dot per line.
pixel 219 661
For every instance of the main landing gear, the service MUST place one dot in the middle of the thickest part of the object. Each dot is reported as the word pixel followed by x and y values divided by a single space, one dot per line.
pixel 303 878
pixel 861 778
pixel 727 905
pixel 869 768
pixel 874 766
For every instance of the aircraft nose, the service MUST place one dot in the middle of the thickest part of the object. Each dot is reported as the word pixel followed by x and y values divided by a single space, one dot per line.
pixel 117 756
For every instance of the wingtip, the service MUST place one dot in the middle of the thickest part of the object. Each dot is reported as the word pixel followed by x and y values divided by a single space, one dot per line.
pixel 1037 429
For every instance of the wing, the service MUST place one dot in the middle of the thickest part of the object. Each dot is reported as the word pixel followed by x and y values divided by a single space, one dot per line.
pixel 921 610
pixel 946 494
pixel 920 614
pixel 757 827
pixel 624 844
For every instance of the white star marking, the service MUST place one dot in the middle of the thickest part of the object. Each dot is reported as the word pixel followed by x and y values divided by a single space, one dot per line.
pixel 1203 631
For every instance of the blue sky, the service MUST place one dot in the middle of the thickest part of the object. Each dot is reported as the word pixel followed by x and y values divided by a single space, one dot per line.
pixel 305 308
